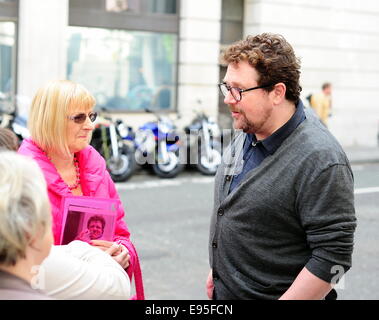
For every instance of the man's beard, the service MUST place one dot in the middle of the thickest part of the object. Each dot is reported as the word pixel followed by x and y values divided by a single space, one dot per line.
pixel 248 126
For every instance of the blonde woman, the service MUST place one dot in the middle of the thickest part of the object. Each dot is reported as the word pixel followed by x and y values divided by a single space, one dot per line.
pixel 25 226
pixel 61 122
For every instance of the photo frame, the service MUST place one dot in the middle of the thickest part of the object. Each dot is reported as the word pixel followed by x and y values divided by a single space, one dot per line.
pixel 88 218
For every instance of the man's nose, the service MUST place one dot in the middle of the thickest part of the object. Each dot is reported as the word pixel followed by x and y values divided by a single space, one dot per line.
pixel 228 99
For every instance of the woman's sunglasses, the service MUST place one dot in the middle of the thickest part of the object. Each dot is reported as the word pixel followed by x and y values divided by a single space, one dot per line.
pixel 81 117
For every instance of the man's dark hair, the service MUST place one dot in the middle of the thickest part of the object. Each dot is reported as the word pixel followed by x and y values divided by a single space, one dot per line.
pixel 273 58
pixel 96 218
pixel 326 85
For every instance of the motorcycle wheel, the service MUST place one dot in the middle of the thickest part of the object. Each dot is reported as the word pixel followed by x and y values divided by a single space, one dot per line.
pixel 207 166
pixel 122 169
pixel 170 169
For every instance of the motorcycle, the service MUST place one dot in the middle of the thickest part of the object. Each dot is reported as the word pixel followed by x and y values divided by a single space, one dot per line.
pixel 203 143
pixel 119 157
pixel 158 145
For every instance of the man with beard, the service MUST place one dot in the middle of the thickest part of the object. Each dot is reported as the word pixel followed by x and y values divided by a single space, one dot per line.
pixel 283 220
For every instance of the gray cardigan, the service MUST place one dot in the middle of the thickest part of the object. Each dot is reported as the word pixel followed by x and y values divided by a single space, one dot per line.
pixel 295 209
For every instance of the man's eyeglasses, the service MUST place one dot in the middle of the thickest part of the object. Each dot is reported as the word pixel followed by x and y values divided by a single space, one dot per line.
pixel 237 92
pixel 81 117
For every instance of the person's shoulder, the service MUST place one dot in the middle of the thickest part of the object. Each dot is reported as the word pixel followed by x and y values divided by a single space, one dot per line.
pixel 317 142
pixel 15 288
pixel 90 152
pixel 12 294
pixel 29 148
pixel 92 158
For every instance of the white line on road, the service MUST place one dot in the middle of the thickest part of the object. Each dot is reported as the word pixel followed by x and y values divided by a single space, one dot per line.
pixel 162 183
pixel 202 180
pixel 366 190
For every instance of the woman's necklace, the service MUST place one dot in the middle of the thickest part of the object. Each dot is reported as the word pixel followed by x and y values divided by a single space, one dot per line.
pixel 77 173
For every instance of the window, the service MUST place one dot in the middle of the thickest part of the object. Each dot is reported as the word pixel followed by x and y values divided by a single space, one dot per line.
pixel 140 15
pixel 8 9
pixel 232 21
pixel 7 65
pixel 121 5
pixel 161 6
pixel 125 70
pixel 125 52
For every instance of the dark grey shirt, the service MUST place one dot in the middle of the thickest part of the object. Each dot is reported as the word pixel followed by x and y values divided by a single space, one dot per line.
pixel 294 210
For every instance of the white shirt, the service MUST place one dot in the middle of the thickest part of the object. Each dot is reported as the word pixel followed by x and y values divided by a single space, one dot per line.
pixel 80 271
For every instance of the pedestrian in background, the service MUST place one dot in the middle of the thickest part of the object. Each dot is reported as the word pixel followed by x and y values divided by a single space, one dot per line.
pixel 283 220
pixel 8 140
pixel 61 124
pixel 25 226
pixel 322 102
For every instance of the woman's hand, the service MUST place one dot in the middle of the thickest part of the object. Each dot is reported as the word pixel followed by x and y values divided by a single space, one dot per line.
pixel 117 251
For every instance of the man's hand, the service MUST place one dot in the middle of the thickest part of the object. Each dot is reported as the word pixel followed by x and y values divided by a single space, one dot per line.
pixel 210 286
pixel 117 251
pixel 84 235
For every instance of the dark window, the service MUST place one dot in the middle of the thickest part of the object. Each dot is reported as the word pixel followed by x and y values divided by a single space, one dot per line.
pixel 161 6
pixel 231 21
pixel 141 15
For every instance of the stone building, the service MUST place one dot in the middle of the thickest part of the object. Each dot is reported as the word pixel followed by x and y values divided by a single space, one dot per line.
pixel 164 54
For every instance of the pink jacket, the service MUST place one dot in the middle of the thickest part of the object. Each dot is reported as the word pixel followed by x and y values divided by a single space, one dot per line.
pixel 95 182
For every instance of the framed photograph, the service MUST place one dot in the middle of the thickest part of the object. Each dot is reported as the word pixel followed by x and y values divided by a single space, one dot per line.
pixel 88 218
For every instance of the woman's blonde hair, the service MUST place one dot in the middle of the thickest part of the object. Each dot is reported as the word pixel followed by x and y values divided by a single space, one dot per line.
pixel 50 109
pixel 24 205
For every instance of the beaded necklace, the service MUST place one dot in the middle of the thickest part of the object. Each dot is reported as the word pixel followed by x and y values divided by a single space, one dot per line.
pixel 77 182
pixel 77 172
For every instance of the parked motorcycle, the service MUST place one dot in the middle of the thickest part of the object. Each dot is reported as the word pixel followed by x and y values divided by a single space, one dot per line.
pixel 158 145
pixel 119 157
pixel 203 143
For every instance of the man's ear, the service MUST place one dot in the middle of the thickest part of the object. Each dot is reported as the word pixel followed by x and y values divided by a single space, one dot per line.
pixel 279 93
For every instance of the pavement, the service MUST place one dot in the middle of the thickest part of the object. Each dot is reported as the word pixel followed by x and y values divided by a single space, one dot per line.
pixel 362 154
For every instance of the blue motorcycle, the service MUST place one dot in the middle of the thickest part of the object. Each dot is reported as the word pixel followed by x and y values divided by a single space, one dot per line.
pixel 157 145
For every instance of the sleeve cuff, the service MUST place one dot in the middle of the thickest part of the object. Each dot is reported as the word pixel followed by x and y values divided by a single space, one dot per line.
pixel 326 271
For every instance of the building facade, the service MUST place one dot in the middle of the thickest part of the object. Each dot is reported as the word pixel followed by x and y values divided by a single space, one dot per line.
pixel 164 54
